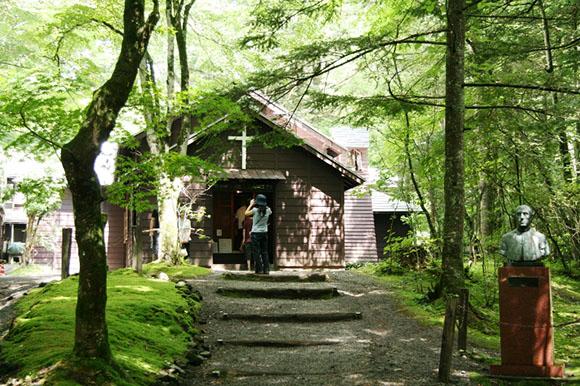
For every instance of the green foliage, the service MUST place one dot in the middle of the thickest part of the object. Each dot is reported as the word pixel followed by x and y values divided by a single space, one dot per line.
pixel 182 271
pixel 277 139
pixel 36 114
pixel 43 195
pixel 138 183
pixel 410 288
pixel 389 266
pixel 270 17
pixel 150 324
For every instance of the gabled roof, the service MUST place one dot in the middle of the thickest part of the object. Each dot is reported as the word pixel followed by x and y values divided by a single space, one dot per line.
pixel 350 137
pixel 383 203
pixel 315 142
pixel 350 178
pixel 304 130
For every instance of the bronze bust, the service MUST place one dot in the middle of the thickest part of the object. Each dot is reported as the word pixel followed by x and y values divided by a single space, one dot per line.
pixel 524 244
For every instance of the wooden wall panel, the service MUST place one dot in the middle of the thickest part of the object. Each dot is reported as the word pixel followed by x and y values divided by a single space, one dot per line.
pixel 115 238
pixel 48 249
pixel 359 229
pixel 308 207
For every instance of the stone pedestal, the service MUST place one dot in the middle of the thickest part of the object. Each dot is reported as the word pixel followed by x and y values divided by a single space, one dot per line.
pixel 525 311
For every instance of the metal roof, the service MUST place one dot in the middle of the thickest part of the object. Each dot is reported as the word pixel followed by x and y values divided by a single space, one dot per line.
pixel 382 202
pixel 350 136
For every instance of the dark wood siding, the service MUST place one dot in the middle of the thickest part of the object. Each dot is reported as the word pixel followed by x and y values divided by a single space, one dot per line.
pixel 309 208
pixel 49 246
pixel 115 236
pixel 359 228
pixel 200 247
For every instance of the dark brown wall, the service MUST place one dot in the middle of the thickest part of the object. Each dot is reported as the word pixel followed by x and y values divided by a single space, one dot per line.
pixel 48 250
pixel 360 243
pixel 309 208
pixel 388 224
pixel 200 248
pixel 115 236
pixel 308 213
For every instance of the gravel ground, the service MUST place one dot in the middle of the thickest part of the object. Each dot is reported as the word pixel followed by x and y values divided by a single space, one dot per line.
pixel 12 288
pixel 385 347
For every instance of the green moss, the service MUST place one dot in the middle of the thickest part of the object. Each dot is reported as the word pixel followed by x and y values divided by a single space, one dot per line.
pixel 183 271
pixel 31 270
pixel 149 322
pixel 483 330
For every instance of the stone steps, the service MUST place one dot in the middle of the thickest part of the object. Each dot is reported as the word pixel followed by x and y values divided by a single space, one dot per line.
pixel 279 293
pixel 276 277
pixel 309 317
pixel 306 332
pixel 277 342
pixel 272 357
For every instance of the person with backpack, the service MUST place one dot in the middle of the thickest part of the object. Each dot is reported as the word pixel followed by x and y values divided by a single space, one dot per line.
pixel 260 213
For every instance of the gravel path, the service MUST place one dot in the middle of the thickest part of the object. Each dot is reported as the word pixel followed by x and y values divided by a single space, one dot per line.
pixel 12 288
pixel 384 347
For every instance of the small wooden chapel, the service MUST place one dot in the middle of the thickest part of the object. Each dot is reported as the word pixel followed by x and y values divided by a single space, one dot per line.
pixel 317 222
pixel 305 186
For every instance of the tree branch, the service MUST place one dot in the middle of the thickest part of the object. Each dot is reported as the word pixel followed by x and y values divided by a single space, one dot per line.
pixel 25 124
pixel 524 86
pixel 108 25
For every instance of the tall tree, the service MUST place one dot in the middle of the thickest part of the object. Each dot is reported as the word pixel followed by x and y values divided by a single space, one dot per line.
pixel 452 277
pixel 78 159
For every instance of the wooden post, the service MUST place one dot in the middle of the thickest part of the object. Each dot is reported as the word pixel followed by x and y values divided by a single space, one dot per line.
pixel 65 252
pixel 447 339
pixel 137 250
pixel 462 329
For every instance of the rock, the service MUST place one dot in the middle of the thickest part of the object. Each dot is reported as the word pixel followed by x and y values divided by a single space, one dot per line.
pixel 216 374
pixel 176 369
pixel 163 276
pixel 180 284
pixel 205 354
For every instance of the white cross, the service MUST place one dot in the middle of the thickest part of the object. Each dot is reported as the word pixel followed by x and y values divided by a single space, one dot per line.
pixel 244 138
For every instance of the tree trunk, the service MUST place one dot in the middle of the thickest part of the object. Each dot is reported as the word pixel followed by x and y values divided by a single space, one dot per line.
pixel 31 230
pixel 177 14
pixel 453 277
pixel 78 157
pixel 169 247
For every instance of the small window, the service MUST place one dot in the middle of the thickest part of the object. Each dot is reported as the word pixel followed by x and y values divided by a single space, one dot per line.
pixel 19 233
pixel 331 153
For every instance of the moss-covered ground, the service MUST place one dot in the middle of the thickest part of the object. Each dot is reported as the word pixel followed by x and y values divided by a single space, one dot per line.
pixel 410 288
pixel 31 270
pixel 182 271
pixel 150 325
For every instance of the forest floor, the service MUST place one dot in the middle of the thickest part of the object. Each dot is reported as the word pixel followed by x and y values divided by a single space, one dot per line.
pixel 383 347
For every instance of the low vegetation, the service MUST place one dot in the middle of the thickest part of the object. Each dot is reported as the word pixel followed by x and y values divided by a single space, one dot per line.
pixel 31 270
pixel 150 325
pixel 411 287
pixel 181 271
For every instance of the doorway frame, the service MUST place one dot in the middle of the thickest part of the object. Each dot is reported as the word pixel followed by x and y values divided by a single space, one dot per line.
pixel 264 186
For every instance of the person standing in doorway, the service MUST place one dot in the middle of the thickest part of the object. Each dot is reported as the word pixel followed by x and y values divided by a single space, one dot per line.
pixel 246 246
pixel 260 213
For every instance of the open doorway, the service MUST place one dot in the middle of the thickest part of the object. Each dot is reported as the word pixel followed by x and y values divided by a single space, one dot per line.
pixel 230 199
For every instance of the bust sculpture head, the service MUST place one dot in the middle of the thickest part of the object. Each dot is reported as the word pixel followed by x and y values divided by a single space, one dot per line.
pixel 523 217
pixel 524 245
